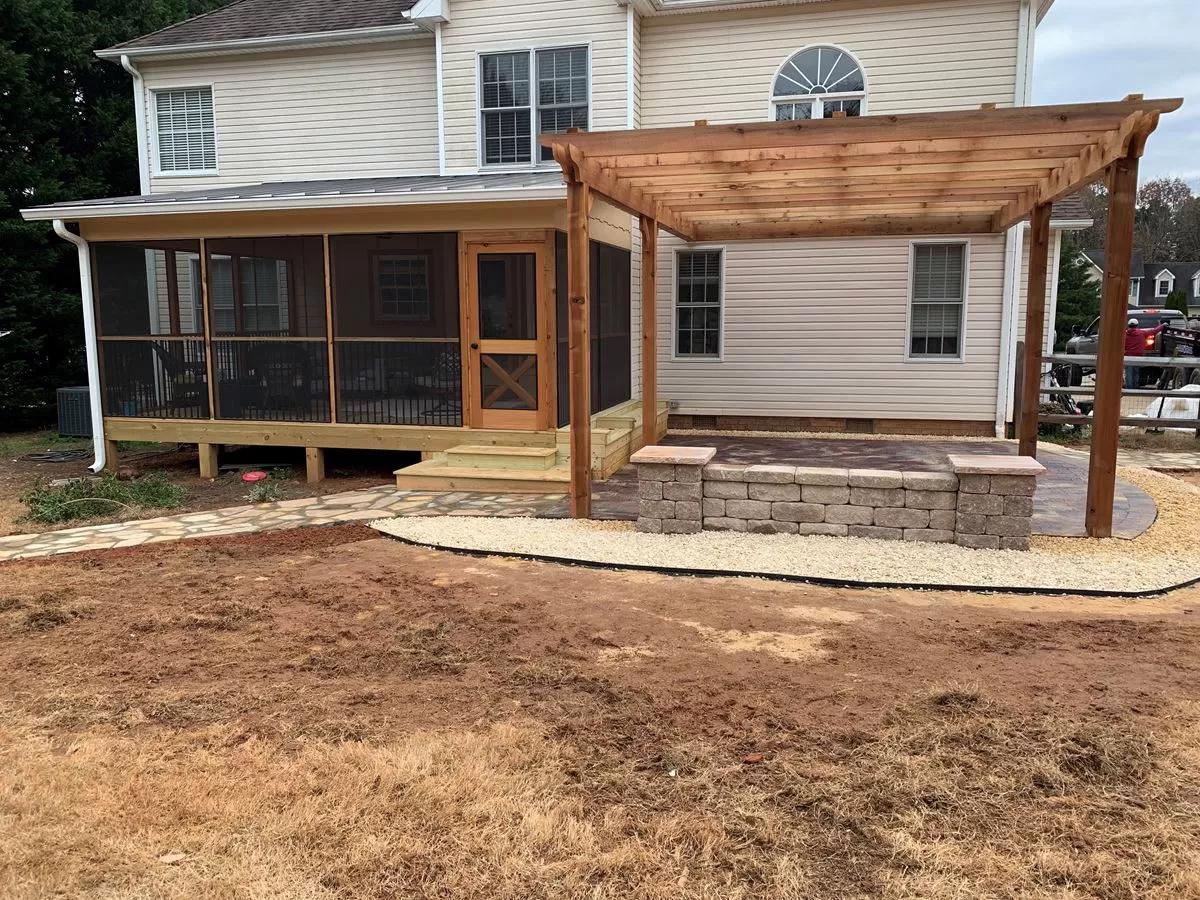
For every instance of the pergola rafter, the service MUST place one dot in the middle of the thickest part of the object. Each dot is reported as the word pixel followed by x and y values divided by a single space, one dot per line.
pixel 969 172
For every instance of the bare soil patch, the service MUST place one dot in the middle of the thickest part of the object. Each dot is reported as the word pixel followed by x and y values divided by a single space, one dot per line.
pixel 346 471
pixel 320 714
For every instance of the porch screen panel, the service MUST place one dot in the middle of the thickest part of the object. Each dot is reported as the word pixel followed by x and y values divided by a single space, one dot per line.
pixel 397 354
pixel 150 326
pixel 267 318
pixel 610 322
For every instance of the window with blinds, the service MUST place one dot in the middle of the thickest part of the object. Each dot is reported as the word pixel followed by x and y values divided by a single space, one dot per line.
pixel 698 292
pixel 938 298
pixel 186 131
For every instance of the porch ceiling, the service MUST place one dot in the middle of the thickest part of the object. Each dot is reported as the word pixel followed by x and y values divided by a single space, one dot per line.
pixel 972 172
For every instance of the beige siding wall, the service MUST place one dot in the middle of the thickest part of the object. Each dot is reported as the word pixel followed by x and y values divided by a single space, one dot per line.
pixel 819 328
pixel 919 55
pixel 342 113
pixel 493 25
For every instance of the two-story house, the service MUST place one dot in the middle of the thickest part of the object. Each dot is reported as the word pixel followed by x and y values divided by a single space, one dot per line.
pixel 1153 283
pixel 349 236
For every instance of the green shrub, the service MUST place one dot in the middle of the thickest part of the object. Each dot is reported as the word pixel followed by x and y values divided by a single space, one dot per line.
pixel 265 492
pixel 103 496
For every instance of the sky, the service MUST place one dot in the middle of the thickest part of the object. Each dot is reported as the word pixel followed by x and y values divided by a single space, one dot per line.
pixel 1089 50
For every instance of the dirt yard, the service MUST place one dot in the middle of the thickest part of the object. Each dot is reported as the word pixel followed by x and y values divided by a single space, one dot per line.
pixel 346 471
pixel 326 714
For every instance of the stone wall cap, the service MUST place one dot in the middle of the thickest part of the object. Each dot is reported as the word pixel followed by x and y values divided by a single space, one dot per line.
pixel 677 456
pixel 983 464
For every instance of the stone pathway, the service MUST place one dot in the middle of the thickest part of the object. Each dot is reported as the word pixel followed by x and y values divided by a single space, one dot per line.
pixel 334 509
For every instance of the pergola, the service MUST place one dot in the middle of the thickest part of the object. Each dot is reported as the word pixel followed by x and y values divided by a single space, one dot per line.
pixel 973 172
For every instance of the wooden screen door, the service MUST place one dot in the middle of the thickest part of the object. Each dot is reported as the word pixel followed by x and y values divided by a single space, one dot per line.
pixel 509 374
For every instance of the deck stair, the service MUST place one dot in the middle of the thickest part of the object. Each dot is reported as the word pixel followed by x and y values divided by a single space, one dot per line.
pixel 494 469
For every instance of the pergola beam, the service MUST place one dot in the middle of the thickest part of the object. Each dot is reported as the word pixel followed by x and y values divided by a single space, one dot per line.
pixel 628 196
pixel 1028 121
pixel 1087 167
pixel 742 230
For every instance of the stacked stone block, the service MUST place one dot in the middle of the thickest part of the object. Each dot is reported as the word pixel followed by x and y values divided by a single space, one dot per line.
pixel 995 511
pixel 670 489
pixel 769 499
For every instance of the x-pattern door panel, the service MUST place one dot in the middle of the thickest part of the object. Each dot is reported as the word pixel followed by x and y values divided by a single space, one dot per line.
pixel 508 323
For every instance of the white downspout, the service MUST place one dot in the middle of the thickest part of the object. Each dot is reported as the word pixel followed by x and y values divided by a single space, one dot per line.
pixel 139 116
pixel 441 99
pixel 89 341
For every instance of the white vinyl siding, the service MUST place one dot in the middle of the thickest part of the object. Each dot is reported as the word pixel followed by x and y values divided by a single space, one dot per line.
pixel 185 132
pixel 495 26
pixel 918 55
pixel 817 328
pixel 351 112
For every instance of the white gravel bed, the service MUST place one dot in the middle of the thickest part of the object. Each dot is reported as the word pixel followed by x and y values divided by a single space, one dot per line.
pixel 1055 568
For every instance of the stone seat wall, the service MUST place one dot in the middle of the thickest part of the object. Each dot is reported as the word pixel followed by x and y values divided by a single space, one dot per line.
pixel 986 504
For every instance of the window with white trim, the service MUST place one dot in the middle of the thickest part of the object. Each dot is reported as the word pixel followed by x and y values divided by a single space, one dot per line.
pixel 186 130
pixel 816 83
pixel 939 289
pixel 526 93
pixel 1163 285
pixel 1135 290
pixel 698 295
pixel 401 287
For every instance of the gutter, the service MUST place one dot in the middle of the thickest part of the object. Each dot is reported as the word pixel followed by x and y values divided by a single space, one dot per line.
pixel 90 345
pixel 254 45
pixel 277 204
pixel 139 114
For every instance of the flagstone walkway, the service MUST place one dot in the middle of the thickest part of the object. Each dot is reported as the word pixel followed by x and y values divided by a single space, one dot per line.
pixel 334 509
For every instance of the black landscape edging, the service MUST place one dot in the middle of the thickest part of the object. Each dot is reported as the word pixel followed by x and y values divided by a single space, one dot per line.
pixel 814 580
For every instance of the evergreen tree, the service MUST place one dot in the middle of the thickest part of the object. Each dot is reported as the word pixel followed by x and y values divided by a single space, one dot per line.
pixel 66 133
pixel 1078 292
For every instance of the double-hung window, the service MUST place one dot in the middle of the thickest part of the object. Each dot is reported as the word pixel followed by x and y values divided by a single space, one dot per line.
pixel 186 131
pixel 401 287
pixel 698 296
pixel 526 93
pixel 939 293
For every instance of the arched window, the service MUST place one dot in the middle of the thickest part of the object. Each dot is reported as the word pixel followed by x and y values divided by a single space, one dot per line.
pixel 816 83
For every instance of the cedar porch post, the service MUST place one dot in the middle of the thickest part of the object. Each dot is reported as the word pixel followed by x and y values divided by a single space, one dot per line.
pixel 1110 353
pixel 1035 330
pixel 578 305
pixel 649 331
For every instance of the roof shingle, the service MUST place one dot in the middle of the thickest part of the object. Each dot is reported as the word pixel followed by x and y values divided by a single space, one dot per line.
pixel 251 19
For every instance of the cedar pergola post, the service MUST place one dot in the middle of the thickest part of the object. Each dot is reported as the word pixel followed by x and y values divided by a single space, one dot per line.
pixel 1110 352
pixel 649 228
pixel 579 339
pixel 1035 329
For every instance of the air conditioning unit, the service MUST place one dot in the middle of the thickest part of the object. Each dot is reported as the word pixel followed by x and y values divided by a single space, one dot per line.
pixel 74 412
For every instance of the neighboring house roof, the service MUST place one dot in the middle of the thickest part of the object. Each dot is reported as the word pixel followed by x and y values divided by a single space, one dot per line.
pixel 1137 262
pixel 247 20
pixel 339 192
pixel 1071 209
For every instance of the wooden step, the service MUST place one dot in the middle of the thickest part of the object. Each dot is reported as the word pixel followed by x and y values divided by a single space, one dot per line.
pixel 474 456
pixel 436 475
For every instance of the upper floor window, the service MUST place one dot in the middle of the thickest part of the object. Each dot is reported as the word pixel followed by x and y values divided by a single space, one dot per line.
pixel 185 130
pixel 528 92
pixel 816 83
pixel 1164 283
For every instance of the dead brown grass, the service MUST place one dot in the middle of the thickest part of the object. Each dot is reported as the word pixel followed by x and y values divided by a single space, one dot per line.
pixel 953 796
